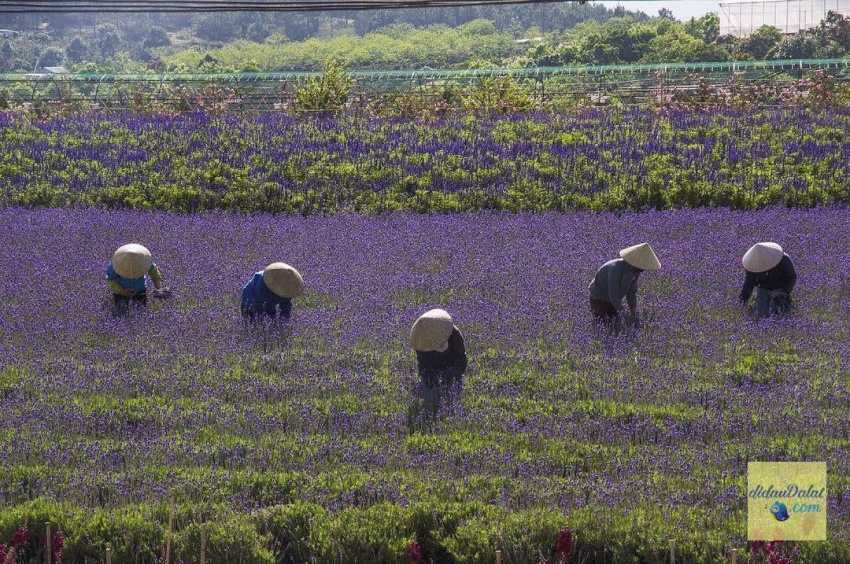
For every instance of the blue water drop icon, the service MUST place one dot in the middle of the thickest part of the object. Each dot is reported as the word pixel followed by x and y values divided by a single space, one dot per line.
pixel 779 511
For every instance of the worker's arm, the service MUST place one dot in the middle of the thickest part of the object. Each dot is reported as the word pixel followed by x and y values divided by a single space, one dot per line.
pixel 120 290
pixel 789 275
pixel 459 351
pixel 285 307
pixel 749 284
pixel 614 275
pixel 115 286
pixel 156 277
pixel 631 297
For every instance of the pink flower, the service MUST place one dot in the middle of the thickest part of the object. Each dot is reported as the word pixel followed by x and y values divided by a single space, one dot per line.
pixel 564 547
pixel 20 538
pixel 756 546
pixel 414 551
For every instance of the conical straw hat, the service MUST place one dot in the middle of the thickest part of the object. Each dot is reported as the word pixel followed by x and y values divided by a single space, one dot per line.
pixel 283 280
pixel 641 256
pixel 762 257
pixel 132 261
pixel 431 330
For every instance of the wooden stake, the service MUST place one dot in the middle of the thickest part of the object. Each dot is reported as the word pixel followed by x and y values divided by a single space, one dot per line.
pixel 49 544
pixel 672 551
pixel 734 556
pixel 108 556
pixel 170 527
pixel 203 542
pixel 498 557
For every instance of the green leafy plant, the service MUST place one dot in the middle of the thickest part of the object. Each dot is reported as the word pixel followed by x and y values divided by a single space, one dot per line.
pixel 327 92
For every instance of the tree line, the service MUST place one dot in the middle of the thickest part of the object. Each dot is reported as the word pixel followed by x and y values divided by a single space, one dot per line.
pixel 474 37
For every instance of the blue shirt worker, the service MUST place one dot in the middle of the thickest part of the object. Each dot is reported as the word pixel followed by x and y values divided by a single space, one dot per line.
pixel 617 279
pixel 270 292
pixel 770 271
pixel 125 276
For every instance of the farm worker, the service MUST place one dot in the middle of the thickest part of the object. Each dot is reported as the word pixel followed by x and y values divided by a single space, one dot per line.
pixel 125 276
pixel 770 271
pixel 270 292
pixel 617 278
pixel 440 350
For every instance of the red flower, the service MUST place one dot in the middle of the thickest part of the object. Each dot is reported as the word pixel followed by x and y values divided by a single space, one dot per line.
pixel 565 544
pixel 20 538
pixel 56 546
pixel 414 551
pixel 773 545
pixel 756 546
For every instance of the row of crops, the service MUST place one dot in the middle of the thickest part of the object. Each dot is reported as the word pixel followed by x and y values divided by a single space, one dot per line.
pixel 596 160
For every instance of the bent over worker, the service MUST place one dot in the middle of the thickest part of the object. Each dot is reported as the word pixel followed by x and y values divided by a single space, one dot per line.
pixel 770 271
pixel 125 276
pixel 441 356
pixel 271 291
pixel 440 349
pixel 617 279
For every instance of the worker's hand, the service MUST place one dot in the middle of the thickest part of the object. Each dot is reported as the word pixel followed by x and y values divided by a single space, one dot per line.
pixel 162 293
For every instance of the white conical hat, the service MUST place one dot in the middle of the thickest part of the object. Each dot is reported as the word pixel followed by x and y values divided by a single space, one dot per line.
pixel 431 330
pixel 762 257
pixel 641 256
pixel 283 280
pixel 132 261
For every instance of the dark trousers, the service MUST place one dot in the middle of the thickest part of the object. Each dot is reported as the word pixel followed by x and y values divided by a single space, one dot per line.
pixel 438 385
pixel 123 303
pixel 602 310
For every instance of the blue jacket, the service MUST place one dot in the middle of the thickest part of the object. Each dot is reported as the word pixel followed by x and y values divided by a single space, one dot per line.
pixel 135 284
pixel 257 298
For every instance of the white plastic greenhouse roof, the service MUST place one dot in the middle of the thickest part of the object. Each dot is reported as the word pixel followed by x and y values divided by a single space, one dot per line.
pixel 741 18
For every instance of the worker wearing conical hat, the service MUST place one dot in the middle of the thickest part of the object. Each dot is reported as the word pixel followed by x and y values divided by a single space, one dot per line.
pixel 270 292
pixel 771 273
pixel 125 276
pixel 617 279
pixel 440 350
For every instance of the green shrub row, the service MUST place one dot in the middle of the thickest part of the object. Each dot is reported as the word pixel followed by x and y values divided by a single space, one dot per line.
pixel 380 534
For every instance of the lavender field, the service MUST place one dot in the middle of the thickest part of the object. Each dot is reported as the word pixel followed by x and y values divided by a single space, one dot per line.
pixel 297 442
pixel 598 160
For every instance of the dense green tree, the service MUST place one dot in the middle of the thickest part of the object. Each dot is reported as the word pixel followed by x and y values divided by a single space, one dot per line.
pixel 51 57
pixel 6 55
pixel 836 28
pixel 760 43
pixel 108 44
pixel 218 27
pixel 77 51
pixel 803 46
pixel 157 37
pixel 706 28
pixel 666 14
pixel 683 48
